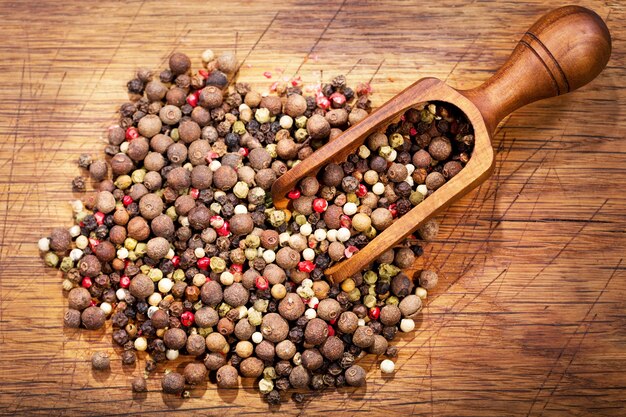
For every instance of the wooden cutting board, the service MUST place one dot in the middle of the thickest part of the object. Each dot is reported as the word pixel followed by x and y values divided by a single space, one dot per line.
pixel 529 315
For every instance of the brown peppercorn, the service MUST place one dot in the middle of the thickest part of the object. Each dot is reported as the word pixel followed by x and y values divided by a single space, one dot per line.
pixel 211 293
pixel 251 367
pixel 79 298
pixel 215 342
pixel 195 373
pixel 160 319
pixel 141 286
pixel 348 322
pixel 105 251
pixel 318 127
pixel 98 170
pixel 269 239
pixel 243 329
pixel 139 384
pixel 71 319
pixel 210 97
pixel 259 158
pixel 93 318
pixel 175 338
pixel 236 295
pixel 309 186
pixel 379 346
pixel 401 285
pixel 121 164
pixel 291 307
pixel 321 289
pixel 116 135
pixel 157 248
pixel 138 149
pixel 129 357
pixel 328 309
pixel 105 202
pixel 397 172
pixel 149 125
pixel 241 224
pixel 214 361
pixel 421 159
pixel 451 169
pixel 332 349
pixel 198 151
pixel 179 178
pixel 205 317
pixel 381 218
pixel 299 377
pixel 201 177
pixel 163 226
pixel 312 359
pixel 295 105
pixel 170 114
pixel 138 228
pixel 265 350
pixel 332 175
pixel 285 349
pixel 355 376
pixel 429 230
pixel 154 161
pixel 356 115
pixel 150 206
pixel 100 361
pixel 189 131
pixel 404 258
pixel 179 63
pixel 303 205
pixel 89 266
pixel 227 377
pixel 316 331
pixel 434 180
pixel 173 383
pixel 390 315
pixel 224 178
pixel 287 258
pixel 155 90
pixel 337 118
pixel 332 216
pixel 410 306
pixel 274 328
pixel 363 337
pixel 440 148
pixel 429 279
pixel 273 104
pixel 201 116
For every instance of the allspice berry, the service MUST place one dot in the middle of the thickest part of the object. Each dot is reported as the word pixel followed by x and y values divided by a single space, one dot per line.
pixel 251 367
pixel 175 338
pixel 355 376
pixel 299 377
pixel 201 177
pixel 328 309
pixel 173 383
pixel 71 319
pixel 195 373
pixel 162 226
pixel 291 307
pixel 210 97
pixel 332 349
pixel 236 295
pixel 348 322
pixel 179 63
pixel 410 305
pixel 189 131
pixel 390 315
pixel 285 349
pixel 93 318
pixel 274 328
pixel 428 279
pixel 157 248
pixel 404 258
pixel 440 148
pixel 150 206
pixel 227 62
pixel 105 202
pixel 196 345
pixel 211 293
pixel 434 180
pixel 273 104
pixel 141 286
pixel 89 266
pixel 429 230
pixel 269 239
pixel 295 105
pixel 160 319
pixel 138 228
pixel 139 384
pixel 421 159
pixel 205 317
pixel 98 170
pixel 199 217
pixel 312 359
pixel 397 172
pixel 381 218
pixel 363 337
pixel 287 258
pixel 259 158
pixel 316 331
pixel 241 224
pixel 100 361
pixel 179 178
pixel 332 175
pixel 79 298
pixel 214 361
pixel 149 125
pixel 265 350
pixel 227 377
pixel 379 346
pixel 450 169
pixel 215 342
pixel 224 178
pixel 318 127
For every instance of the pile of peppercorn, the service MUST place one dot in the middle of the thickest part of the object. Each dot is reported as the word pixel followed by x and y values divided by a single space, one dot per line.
pixel 182 250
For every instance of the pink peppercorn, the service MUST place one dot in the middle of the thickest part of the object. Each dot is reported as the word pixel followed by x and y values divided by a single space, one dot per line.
pixel 338 99
pixel 236 268
pixel 192 100
pixel 224 230
pixel 293 194
pixel 186 318
pixel 99 217
pixel 374 313
pixel 331 331
pixel 306 266
pixel 194 192
pixel 86 283
pixel 132 133
pixel 323 103
pixel 93 243
pixel 413 131
pixel 393 209
pixel 345 221
pixel 261 283
pixel 361 191
pixel 175 260
pixel 203 263
pixel 124 281
pixel 244 151
pixel 204 73
pixel 320 205
pixel 127 200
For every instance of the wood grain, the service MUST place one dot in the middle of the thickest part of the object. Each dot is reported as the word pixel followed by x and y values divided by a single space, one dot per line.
pixel 529 317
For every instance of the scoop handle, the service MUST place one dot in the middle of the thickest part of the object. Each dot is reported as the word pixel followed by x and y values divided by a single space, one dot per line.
pixel 564 50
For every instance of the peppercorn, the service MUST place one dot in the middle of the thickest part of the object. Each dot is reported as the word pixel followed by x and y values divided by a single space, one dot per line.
pixel 175 338
pixel 328 309
pixel 79 298
pixel 390 315
pixel 227 377
pixel 274 328
pixel 179 63
pixel 93 318
pixel 381 218
pixel 211 293
pixel 138 384
pixel 410 306
pixel 100 361
pixel 429 230
pixel 251 367
pixel 71 319
pixel 316 331
pixel 312 359
pixel 363 337
pixel 299 377
pixel 214 361
pixel 173 383
pixel 195 373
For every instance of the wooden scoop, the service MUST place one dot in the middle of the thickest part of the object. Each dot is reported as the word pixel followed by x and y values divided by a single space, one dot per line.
pixel 562 51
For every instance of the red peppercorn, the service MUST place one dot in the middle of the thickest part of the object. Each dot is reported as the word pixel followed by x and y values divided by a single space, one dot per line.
pixel 175 260
pixel 331 331
pixel 186 319
pixel 192 100
pixel 293 194
pixel 261 283
pixel 306 266
pixel 274 86
pixel 99 217
pixel 203 263
pixel 413 131
pixel 333 321
pixel 323 102
pixel 210 157
pixel 93 303
pixel 194 192
pixel 345 221
pixel 320 205
pixel 338 99
pixel 244 151
pixel 350 250
pixel 124 281
pixel 374 313
pixel 297 80
pixel 393 209
pixel 361 191
pixel 132 133
pixel 224 230
pixel 236 268
pixel 86 283
pixel 127 200
pixel 203 73
pixel 267 74
pixel 93 243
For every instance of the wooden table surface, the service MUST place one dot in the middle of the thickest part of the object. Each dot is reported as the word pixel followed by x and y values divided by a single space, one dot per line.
pixel 529 317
